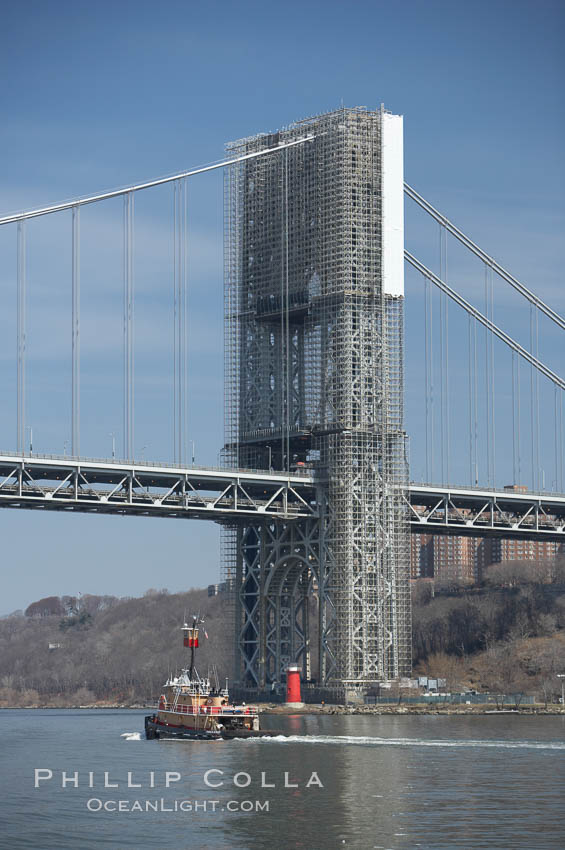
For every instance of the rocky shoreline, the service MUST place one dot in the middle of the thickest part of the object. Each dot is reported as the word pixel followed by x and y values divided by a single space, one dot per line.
pixel 317 709
pixel 424 709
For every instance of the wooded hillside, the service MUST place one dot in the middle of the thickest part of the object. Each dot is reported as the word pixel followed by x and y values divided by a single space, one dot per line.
pixel 506 636
pixel 68 651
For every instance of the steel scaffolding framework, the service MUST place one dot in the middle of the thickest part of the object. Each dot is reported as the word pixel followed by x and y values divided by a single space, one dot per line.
pixel 314 376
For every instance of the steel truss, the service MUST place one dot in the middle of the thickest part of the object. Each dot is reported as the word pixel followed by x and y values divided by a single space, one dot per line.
pixel 278 573
pixel 151 490
pixel 486 513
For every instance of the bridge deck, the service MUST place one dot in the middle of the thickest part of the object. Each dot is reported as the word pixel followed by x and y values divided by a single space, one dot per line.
pixel 150 489
pixel 146 489
pixel 486 513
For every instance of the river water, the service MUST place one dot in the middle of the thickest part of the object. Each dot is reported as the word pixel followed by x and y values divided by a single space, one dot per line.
pixel 339 782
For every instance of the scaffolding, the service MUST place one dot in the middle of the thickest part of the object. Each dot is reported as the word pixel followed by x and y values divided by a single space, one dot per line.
pixel 314 378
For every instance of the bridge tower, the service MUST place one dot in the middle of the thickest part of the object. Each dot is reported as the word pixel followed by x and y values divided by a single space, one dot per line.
pixel 314 289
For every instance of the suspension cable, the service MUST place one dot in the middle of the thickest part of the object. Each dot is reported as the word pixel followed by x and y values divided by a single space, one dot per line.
pixel 115 193
pixel 472 246
pixel 545 370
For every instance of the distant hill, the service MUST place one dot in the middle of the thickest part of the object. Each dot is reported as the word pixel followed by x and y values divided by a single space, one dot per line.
pixel 70 652
pixel 506 636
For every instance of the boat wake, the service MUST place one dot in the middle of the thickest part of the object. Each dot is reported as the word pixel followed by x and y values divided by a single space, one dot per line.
pixel 131 736
pixel 365 741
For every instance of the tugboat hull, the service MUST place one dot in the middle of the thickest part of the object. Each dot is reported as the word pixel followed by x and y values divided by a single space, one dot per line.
pixel 163 730
pixel 154 730
pixel 228 734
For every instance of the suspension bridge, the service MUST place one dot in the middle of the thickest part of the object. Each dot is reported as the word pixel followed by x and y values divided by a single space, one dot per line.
pixel 314 495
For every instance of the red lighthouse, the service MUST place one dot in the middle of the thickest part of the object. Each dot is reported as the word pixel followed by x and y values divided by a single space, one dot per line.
pixel 293 695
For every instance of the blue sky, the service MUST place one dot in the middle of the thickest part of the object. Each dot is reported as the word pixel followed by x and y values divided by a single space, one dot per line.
pixel 101 95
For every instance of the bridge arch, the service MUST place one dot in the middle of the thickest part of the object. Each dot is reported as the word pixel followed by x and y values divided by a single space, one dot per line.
pixel 291 592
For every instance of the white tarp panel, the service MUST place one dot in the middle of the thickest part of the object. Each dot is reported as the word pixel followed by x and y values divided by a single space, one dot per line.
pixel 393 204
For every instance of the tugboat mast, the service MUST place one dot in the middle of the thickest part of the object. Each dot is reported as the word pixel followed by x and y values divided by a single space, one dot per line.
pixel 190 634
pixel 192 642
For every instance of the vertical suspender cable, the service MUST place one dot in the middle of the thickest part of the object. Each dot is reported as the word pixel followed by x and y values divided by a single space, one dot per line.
pixel 558 442
pixel 125 330
pixel 472 344
pixel 492 383
pixel 282 327
pixel 489 380
pixel 184 292
pixel 559 438
pixel 75 335
pixel 431 365
pixel 446 370
pixel 441 359
pixel 532 401
pixel 487 383
pixel 514 481
pixel 561 447
pixel 556 438
pixel 128 327
pixel 426 377
pixel 175 311
pixel 180 341
pixel 537 402
pixel 227 313
pixel 518 426
pixel 131 341
pixel 21 334
pixel 475 403
pixel 287 314
pixel 470 391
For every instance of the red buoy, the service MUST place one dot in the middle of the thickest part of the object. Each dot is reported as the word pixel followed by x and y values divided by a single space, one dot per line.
pixel 293 695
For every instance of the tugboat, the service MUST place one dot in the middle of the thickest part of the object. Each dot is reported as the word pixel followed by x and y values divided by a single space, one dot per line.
pixel 191 708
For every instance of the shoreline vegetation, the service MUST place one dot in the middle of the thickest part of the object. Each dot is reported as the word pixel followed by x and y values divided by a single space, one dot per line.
pixel 506 636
